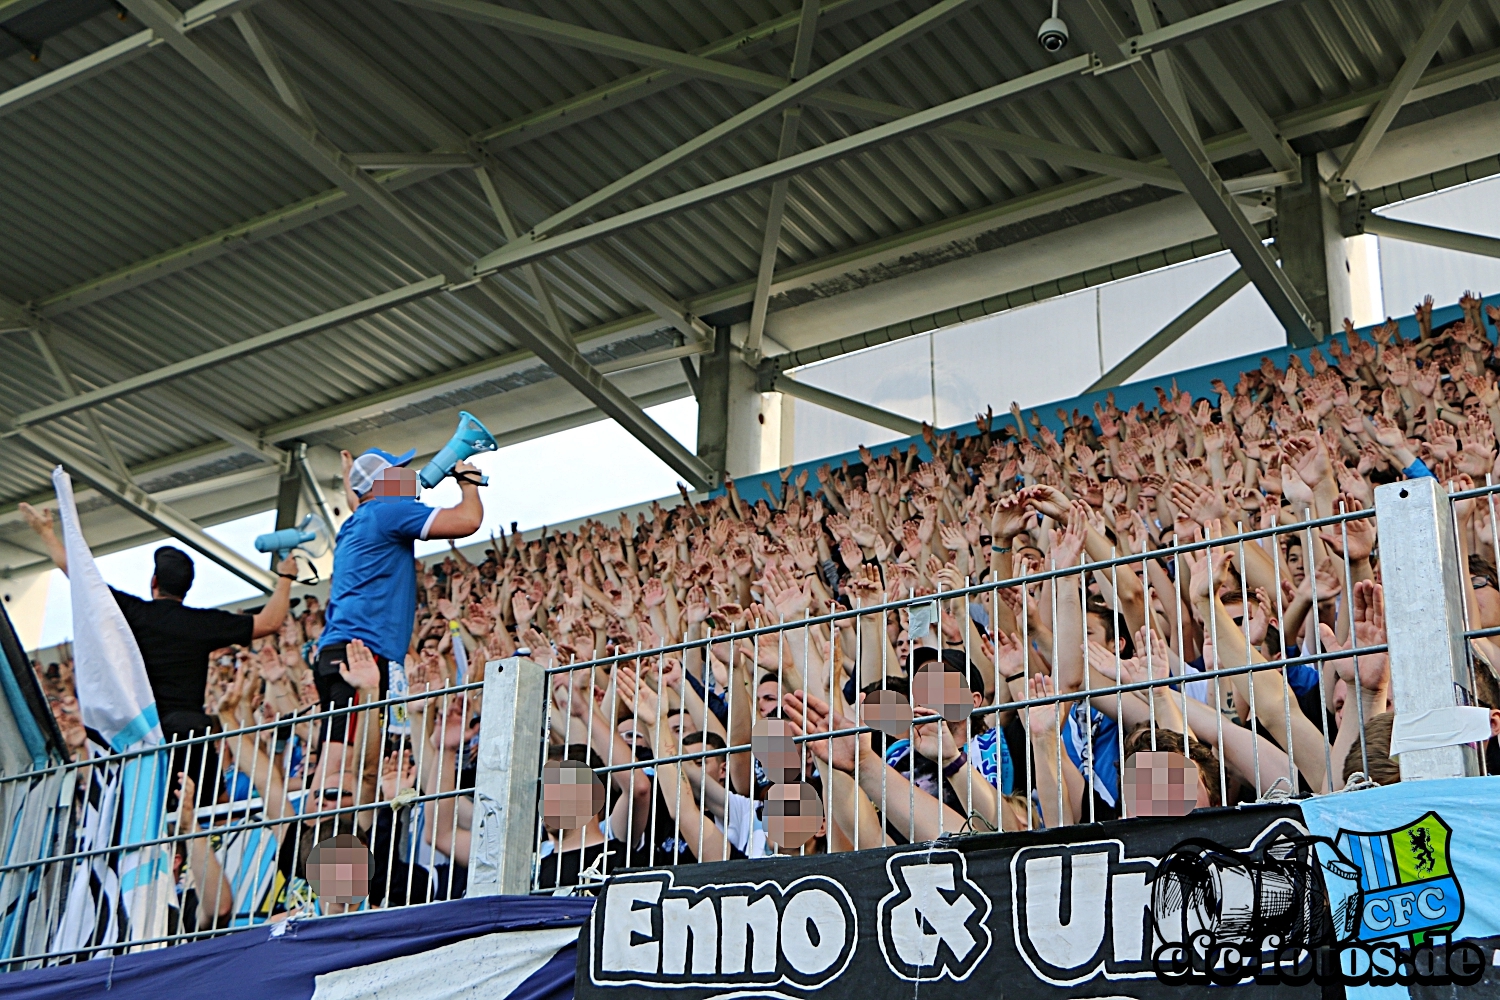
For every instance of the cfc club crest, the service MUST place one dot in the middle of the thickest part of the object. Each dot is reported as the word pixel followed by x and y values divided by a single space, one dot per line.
pixel 1408 891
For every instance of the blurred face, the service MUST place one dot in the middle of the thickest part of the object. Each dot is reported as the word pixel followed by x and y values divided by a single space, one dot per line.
pixel 393 484
pixel 1162 783
pixel 339 869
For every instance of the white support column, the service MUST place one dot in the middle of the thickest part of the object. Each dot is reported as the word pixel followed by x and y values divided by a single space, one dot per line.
pixel 507 783
pixel 1424 607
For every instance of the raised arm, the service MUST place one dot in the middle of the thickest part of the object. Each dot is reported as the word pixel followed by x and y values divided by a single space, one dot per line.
pixel 465 517
pixel 40 521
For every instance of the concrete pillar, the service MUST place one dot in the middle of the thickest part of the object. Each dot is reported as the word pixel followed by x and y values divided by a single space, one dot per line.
pixel 1312 248
pixel 744 449
pixel 732 422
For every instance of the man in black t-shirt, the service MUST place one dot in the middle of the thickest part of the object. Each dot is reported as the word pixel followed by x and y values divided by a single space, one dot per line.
pixel 175 640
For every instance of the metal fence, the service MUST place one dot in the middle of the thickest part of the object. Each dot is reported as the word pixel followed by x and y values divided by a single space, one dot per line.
pixel 1001 706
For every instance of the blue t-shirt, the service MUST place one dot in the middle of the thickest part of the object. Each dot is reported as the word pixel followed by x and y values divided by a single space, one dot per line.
pixel 1097 759
pixel 373 596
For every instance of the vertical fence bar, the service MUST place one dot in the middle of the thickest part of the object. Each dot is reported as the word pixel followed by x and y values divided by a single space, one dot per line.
pixel 507 779
pixel 1424 604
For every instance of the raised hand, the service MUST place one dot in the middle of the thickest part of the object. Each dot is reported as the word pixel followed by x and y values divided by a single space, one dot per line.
pixel 359 669
pixel 1368 630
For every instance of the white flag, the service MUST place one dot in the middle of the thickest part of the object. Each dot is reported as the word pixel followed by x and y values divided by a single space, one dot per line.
pixel 122 895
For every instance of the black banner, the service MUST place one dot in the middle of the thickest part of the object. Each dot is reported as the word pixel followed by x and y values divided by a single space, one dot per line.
pixel 1073 910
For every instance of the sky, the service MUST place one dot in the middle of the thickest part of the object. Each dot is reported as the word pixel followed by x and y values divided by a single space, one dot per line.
pixel 549 480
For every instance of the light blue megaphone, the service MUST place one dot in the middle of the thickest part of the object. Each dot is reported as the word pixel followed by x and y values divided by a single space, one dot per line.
pixel 308 536
pixel 470 439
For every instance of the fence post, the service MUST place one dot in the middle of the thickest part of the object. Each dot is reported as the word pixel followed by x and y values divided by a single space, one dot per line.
pixel 505 786
pixel 1424 610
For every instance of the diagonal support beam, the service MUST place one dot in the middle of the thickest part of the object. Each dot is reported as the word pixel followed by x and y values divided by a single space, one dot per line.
pixel 826 75
pixel 1258 125
pixel 849 407
pixel 564 358
pixel 1411 71
pixel 791 120
pixel 275 70
pixel 1142 92
pixel 1172 332
pixel 296 134
pixel 107 449
pixel 154 512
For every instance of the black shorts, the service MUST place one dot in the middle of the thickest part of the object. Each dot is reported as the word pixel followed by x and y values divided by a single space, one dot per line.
pixel 335 692
pixel 199 760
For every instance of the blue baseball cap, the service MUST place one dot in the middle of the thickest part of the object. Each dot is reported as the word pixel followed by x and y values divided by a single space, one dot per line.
pixel 373 462
pixel 397 460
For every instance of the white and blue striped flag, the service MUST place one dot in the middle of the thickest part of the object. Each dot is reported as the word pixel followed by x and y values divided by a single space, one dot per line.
pixel 123 895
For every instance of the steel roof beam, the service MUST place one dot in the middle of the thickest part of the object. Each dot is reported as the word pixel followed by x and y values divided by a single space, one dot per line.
pixel 106 447
pixel 1411 71
pixel 270 62
pixel 1476 69
pixel 111 56
pixel 791 121
pixel 823 77
pixel 294 133
pixel 496 305
pixel 1185 154
pixel 375 80
pixel 617 93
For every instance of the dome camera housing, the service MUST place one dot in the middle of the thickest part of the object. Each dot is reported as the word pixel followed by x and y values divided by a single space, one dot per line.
pixel 1053 34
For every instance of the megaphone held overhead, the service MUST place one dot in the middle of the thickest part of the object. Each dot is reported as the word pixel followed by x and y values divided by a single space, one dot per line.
pixel 309 537
pixel 471 438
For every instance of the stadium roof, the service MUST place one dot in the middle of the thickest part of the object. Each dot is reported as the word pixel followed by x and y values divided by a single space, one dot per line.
pixel 240 225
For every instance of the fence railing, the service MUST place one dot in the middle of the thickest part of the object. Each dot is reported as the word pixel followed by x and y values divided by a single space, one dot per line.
pixel 1083 685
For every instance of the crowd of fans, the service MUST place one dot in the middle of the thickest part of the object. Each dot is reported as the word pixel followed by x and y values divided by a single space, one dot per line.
pixel 1280 447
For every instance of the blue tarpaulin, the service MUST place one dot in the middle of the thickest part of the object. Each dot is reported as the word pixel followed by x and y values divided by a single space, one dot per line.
pixel 498 947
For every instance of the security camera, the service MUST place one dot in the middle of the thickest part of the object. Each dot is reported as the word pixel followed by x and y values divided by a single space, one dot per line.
pixel 1053 34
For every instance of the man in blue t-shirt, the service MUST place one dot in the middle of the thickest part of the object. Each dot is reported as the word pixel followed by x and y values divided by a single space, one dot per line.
pixel 373 595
